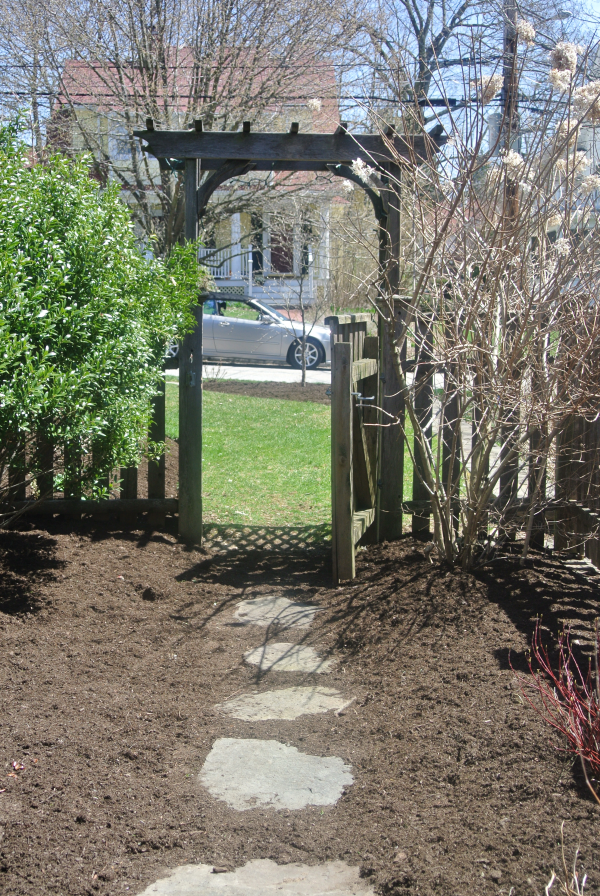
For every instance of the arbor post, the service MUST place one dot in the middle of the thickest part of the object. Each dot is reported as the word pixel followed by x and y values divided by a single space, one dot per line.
pixel 391 470
pixel 190 392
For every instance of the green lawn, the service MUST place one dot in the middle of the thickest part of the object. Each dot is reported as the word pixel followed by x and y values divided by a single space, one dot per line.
pixel 265 462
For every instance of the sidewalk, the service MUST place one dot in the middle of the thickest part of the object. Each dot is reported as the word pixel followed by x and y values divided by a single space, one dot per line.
pixel 263 374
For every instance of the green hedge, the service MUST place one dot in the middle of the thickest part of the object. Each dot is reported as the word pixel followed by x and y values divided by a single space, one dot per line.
pixel 85 315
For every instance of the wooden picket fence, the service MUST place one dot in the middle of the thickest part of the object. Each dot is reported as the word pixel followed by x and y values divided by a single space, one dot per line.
pixel 361 385
pixel 48 458
pixel 364 506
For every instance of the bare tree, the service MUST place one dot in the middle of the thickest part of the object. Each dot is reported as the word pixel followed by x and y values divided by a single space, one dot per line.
pixel 103 68
pixel 414 53
pixel 299 220
pixel 500 320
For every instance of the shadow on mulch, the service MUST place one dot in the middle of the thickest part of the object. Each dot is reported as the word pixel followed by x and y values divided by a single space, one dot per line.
pixel 109 709
pixel 27 562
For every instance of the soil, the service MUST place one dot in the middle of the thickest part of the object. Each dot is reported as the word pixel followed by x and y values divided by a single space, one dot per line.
pixel 116 647
pixel 315 392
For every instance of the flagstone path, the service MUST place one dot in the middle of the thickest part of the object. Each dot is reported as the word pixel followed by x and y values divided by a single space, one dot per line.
pixel 263 876
pixel 249 773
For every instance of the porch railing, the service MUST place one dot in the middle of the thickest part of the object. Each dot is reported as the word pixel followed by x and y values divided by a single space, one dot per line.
pixel 229 263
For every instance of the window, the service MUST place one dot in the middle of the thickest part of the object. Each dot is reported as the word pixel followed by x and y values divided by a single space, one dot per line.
pixel 282 251
pixel 119 148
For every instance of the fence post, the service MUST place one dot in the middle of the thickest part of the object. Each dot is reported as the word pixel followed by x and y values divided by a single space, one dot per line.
pixel 190 434
pixel 341 462
pixel 72 470
pixel 129 488
pixel 480 461
pixel 17 476
pixel 44 464
pixel 538 529
pixel 371 386
pixel 451 446
pixel 424 412
pixel 564 447
pixel 157 469
pixel 190 391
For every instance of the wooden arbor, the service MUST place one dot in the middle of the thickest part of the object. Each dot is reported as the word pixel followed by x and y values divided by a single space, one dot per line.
pixel 226 154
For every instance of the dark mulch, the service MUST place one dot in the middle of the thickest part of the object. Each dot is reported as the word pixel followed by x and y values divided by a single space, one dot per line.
pixel 286 391
pixel 116 647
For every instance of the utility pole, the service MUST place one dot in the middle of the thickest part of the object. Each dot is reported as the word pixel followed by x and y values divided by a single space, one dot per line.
pixel 510 103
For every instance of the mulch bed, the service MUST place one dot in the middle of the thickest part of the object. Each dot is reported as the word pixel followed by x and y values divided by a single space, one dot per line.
pixel 314 392
pixel 116 647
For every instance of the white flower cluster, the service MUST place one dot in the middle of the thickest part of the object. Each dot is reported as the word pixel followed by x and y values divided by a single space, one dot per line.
pixel 362 170
pixel 560 80
pixel 488 87
pixel 347 186
pixel 513 162
pixel 564 64
pixel 562 247
pixel 525 32
pixel 589 184
pixel 586 101
pixel 567 133
pixel 564 57
pixel 553 221
pixel 314 104
pixel 576 161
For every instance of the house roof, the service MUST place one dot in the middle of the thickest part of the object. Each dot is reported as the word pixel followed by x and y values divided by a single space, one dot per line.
pixel 185 88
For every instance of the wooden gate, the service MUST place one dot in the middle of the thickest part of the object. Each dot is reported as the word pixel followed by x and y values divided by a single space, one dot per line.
pixel 355 438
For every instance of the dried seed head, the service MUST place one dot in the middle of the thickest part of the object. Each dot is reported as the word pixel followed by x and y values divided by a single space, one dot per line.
pixel 567 133
pixel 314 104
pixel 560 80
pixel 586 101
pixel 564 57
pixel 513 162
pixel 589 184
pixel 362 170
pixel 525 32
pixel 487 88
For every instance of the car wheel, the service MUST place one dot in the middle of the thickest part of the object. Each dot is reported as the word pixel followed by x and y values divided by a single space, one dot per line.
pixel 314 354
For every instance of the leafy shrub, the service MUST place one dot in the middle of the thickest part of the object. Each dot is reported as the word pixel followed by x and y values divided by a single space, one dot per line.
pixel 85 317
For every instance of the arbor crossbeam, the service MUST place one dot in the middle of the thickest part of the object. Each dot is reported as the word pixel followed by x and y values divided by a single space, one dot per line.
pixel 301 152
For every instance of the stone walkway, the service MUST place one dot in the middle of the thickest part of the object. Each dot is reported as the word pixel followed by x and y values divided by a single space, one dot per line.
pixel 248 773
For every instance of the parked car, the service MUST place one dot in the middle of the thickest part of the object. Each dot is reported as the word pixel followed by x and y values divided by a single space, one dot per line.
pixel 248 330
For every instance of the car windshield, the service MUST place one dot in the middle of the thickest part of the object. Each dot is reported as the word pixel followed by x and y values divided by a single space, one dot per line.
pixel 242 310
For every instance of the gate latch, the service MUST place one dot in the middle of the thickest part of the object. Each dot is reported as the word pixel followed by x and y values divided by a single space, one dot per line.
pixel 362 398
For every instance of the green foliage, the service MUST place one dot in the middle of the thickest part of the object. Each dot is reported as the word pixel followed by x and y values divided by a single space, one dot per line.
pixel 85 316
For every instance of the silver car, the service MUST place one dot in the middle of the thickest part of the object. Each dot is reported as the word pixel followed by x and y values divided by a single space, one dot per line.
pixel 247 329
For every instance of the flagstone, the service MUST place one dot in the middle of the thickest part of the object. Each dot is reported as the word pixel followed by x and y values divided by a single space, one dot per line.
pixel 248 773
pixel 262 876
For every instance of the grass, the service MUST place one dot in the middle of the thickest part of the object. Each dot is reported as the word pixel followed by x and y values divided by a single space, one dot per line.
pixel 265 462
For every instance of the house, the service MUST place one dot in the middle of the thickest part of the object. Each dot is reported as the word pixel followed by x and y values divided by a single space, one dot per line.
pixel 267 235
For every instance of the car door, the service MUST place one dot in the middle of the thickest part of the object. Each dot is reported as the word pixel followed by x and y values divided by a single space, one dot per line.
pixel 208 323
pixel 242 338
